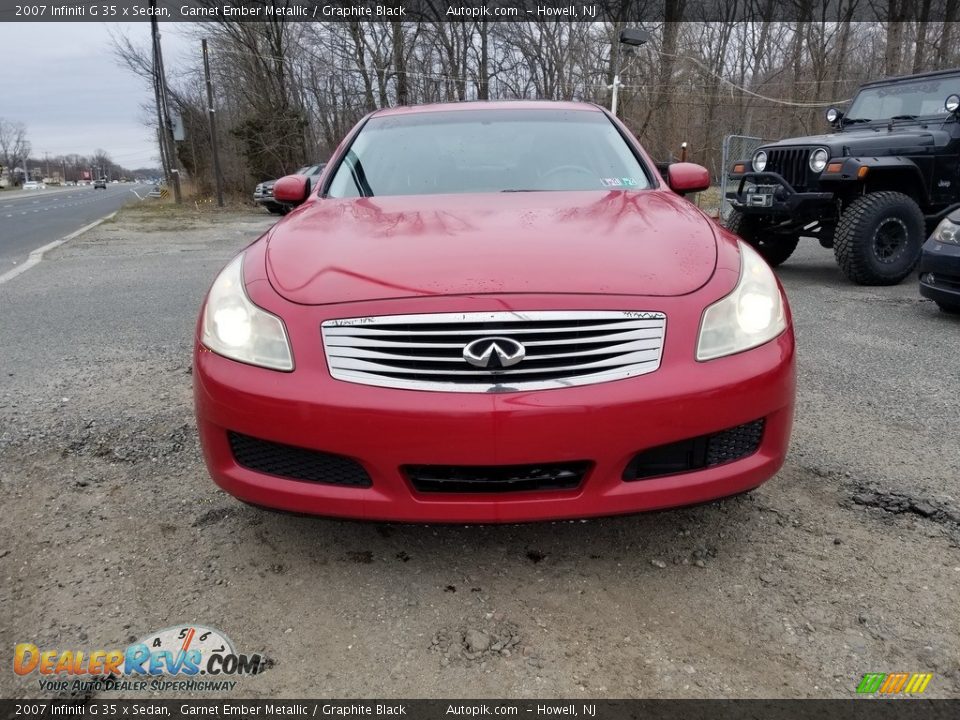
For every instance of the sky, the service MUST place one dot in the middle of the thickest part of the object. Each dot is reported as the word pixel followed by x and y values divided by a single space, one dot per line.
pixel 62 81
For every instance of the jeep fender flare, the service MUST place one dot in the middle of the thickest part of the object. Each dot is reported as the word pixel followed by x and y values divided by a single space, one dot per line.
pixel 880 167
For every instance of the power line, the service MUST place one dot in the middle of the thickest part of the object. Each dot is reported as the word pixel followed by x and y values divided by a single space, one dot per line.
pixel 777 101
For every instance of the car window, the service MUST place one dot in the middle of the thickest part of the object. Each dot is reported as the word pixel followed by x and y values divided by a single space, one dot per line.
pixel 920 97
pixel 478 151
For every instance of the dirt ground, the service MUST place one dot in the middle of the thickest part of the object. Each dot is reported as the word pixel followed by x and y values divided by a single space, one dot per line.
pixel 847 562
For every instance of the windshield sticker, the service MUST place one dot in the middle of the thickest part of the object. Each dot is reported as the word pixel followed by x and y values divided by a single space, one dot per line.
pixel 619 182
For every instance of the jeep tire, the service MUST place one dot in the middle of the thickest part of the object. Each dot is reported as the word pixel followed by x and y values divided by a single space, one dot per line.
pixel 878 238
pixel 774 248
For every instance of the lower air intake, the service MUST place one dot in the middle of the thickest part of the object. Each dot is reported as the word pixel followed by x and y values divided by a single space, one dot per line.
pixel 495 478
pixel 296 463
pixel 696 453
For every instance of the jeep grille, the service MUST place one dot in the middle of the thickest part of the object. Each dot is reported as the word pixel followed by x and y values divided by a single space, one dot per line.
pixel 791 163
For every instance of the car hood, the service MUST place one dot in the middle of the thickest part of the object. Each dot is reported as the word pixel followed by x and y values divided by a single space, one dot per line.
pixel 633 243
pixel 876 140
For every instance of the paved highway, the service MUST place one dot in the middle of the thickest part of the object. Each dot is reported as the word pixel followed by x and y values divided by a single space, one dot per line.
pixel 31 219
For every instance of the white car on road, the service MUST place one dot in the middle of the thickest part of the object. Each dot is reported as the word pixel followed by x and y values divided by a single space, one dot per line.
pixel 34 185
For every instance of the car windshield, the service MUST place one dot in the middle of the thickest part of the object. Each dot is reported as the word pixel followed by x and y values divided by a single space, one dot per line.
pixel 484 151
pixel 914 98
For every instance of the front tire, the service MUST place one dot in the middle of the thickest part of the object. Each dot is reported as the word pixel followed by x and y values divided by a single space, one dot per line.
pixel 948 308
pixel 773 248
pixel 879 238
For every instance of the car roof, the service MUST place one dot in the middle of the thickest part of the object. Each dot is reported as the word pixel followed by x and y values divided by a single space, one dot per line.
pixel 918 76
pixel 504 105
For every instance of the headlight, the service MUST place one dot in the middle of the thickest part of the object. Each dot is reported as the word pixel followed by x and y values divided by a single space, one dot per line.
pixel 759 161
pixel 818 159
pixel 236 328
pixel 947 232
pixel 749 316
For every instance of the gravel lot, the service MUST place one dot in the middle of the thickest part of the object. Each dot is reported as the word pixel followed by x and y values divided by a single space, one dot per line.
pixel 847 562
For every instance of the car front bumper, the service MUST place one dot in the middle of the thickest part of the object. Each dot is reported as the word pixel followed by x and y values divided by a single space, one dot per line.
pixel 386 430
pixel 782 199
pixel 940 272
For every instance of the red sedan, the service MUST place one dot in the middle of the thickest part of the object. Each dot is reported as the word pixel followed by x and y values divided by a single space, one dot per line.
pixel 493 312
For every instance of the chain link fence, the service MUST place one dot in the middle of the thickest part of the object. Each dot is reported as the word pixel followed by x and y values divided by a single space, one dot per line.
pixel 735 147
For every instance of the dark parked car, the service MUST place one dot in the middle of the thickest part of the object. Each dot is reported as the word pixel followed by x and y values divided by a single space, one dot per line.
pixel 872 190
pixel 940 265
pixel 263 193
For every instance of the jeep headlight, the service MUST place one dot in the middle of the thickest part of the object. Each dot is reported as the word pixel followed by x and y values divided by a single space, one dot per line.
pixel 749 316
pixel 237 329
pixel 947 232
pixel 818 159
pixel 759 160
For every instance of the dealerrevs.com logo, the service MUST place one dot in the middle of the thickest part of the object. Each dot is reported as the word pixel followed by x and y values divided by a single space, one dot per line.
pixel 195 656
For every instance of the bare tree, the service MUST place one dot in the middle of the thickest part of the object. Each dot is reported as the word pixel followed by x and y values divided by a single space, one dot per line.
pixel 14 146
pixel 287 92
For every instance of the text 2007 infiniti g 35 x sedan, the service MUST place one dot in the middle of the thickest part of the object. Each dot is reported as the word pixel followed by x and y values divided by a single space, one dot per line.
pixel 493 312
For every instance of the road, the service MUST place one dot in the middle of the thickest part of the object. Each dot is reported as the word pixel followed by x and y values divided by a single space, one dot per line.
pixel 847 562
pixel 31 219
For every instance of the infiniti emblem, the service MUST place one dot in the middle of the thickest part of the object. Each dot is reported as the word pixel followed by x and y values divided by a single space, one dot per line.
pixel 494 353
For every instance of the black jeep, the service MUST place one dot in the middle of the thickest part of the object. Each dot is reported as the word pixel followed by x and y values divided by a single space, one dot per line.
pixel 872 190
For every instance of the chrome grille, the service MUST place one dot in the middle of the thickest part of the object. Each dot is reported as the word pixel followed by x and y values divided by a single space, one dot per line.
pixel 791 163
pixel 563 349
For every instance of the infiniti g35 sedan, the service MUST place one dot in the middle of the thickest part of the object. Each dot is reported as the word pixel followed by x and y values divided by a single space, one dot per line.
pixel 493 312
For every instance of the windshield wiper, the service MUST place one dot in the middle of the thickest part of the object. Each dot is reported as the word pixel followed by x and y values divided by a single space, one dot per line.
pixel 851 121
pixel 904 117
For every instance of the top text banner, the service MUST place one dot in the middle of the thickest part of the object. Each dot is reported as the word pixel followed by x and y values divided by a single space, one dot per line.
pixel 621 11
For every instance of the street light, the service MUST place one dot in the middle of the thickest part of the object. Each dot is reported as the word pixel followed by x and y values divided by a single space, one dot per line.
pixel 634 37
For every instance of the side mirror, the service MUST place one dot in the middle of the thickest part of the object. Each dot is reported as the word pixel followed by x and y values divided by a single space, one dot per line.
pixel 952 103
pixel 292 189
pixel 833 115
pixel 684 177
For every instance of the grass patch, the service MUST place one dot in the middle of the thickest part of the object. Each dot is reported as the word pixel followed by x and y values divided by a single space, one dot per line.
pixel 166 208
pixel 709 200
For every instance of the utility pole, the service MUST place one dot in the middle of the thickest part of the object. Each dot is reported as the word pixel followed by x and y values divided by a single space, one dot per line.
pixel 166 127
pixel 161 135
pixel 616 77
pixel 213 125
pixel 633 37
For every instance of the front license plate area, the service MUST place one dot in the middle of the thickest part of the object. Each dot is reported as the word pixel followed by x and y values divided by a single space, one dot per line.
pixel 762 196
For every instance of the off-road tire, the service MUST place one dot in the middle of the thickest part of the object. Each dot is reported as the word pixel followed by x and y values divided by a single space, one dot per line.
pixel 859 243
pixel 775 249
